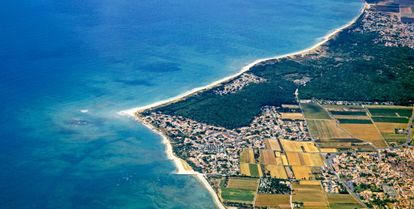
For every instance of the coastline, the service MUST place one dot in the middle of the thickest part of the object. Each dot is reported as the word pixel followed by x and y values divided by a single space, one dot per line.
pixel 131 112
pixel 180 167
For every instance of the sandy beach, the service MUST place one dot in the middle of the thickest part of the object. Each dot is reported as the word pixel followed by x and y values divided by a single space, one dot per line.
pixel 180 167
pixel 132 111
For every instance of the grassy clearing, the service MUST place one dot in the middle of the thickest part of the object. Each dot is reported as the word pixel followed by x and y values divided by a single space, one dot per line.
pixel 237 195
pixel 314 111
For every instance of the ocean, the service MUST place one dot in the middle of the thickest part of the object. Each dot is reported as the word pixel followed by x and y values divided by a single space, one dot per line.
pixel 68 67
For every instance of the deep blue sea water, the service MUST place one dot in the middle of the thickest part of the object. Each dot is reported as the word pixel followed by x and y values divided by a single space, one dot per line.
pixel 59 57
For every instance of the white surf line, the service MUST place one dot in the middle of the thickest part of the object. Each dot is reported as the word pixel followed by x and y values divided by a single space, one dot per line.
pixel 326 38
pixel 180 168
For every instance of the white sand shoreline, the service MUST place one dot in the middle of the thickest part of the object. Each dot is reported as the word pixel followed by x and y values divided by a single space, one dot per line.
pixel 326 38
pixel 180 168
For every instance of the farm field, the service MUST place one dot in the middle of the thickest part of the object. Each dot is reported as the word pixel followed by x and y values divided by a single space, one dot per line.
pixel 342 201
pixel 247 156
pixel 237 195
pixel 314 111
pixel 295 146
pixel 292 116
pixel 273 200
pixel 272 144
pixel 276 171
pixel 349 113
pixel 267 156
pixel 354 121
pixel 255 170
pixel 304 159
pixel 245 169
pixel 388 131
pixel 243 183
pixel 356 117
pixel 312 196
pixel 390 111
pixel 326 129
pixel 302 172
pixel 390 119
pixel 367 132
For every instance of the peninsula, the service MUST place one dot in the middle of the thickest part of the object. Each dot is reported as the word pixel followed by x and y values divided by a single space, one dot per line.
pixel 328 127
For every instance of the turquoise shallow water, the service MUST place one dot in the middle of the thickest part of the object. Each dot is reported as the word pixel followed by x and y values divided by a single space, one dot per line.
pixel 61 57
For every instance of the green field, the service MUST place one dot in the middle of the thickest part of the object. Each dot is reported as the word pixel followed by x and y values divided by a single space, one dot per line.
pixel 397 138
pixel 391 112
pixel 354 121
pixel 237 195
pixel 342 201
pixel 390 119
pixel 314 111
pixel 351 113
pixel 254 170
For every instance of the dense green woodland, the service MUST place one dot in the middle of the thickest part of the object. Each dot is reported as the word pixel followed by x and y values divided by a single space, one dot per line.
pixel 353 68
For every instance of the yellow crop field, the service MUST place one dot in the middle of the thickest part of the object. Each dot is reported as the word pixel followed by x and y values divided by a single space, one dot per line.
pixel 356 117
pixel 342 201
pixel 304 159
pixel 267 156
pixel 243 183
pixel 310 182
pixel 292 116
pixel 328 150
pixel 273 200
pixel 326 129
pixel 247 156
pixel 367 132
pixel 276 171
pixel 291 146
pixel 309 147
pixel 295 146
pixel 244 169
pixel 312 159
pixel 389 128
pixel 302 172
pixel 312 196
pixel 284 160
pixel 272 144
pixel 294 158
